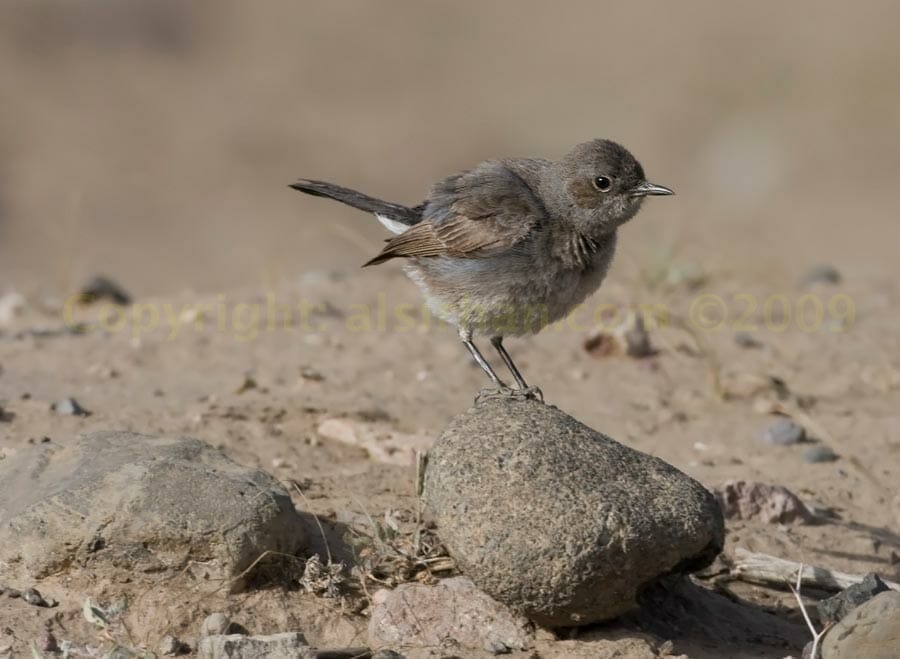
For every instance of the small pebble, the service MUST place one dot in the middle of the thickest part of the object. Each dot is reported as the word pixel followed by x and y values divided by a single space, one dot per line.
pixel 747 340
pixel 495 647
pixel 47 642
pixel 215 624
pixel 820 453
pixel 69 407
pixel 169 646
pixel 248 384
pixel 104 288
pixel 311 374
pixel 11 304
pixel 34 597
pixel 637 339
pixel 784 432
pixel 821 274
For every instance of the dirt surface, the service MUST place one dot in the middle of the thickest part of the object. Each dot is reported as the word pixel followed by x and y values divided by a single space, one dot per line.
pixel 154 144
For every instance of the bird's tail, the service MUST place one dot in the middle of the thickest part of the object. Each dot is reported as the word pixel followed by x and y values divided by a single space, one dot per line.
pixel 363 202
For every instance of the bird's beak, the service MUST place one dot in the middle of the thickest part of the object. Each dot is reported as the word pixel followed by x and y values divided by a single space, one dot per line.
pixel 647 189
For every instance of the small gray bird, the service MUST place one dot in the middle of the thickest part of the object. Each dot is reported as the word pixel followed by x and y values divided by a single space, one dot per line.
pixel 512 245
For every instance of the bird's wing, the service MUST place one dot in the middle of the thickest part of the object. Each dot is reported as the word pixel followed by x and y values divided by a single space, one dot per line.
pixel 471 215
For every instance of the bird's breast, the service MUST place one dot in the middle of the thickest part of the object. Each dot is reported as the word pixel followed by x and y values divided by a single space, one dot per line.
pixel 513 293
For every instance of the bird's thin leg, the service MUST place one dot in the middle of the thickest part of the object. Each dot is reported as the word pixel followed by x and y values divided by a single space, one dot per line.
pixel 466 337
pixel 524 389
pixel 497 342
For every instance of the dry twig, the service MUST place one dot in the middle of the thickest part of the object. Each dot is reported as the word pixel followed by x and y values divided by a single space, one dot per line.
pixel 770 570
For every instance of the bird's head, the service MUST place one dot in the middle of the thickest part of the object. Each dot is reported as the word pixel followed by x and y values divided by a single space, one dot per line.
pixel 604 185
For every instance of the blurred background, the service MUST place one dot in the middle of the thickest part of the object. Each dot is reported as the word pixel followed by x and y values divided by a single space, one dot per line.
pixel 154 140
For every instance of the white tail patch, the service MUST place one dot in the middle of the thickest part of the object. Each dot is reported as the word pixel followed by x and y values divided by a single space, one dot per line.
pixel 393 226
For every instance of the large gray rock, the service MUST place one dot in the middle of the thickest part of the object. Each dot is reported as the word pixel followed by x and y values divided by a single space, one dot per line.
pixel 557 520
pixel 870 631
pixel 138 502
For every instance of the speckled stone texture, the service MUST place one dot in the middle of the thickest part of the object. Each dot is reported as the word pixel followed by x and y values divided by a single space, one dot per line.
pixel 140 503
pixel 870 631
pixel 558 521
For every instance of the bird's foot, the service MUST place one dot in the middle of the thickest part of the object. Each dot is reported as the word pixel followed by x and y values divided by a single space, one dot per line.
pixel 503 391
pixel 534 393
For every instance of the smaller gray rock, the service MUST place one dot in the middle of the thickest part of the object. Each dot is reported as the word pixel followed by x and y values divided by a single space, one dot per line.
pixel 838 606
pixel 419 616
pixel 819 453
pixel 750 500
pixel 821 274
pixel 288 645
pixel 783 432
pixel 870 631
pixel 215 624
pixel 69 407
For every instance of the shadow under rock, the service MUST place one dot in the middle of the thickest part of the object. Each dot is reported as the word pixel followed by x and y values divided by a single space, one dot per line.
pixel 325 538
pixel 705 624
pixel 328 539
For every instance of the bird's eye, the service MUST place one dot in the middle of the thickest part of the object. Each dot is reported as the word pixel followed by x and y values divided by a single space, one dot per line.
pixel 602 183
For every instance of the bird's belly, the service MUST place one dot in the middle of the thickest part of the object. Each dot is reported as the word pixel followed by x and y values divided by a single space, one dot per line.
pixel 504 295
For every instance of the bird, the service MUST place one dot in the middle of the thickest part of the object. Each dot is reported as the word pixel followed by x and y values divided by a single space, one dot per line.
pixel 513 244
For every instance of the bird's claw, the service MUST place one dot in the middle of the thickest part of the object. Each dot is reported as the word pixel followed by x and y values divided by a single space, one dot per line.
pixel 504 391
pixel 531 392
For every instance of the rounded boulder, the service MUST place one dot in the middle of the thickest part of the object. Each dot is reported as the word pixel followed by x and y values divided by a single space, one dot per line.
pixel 557 520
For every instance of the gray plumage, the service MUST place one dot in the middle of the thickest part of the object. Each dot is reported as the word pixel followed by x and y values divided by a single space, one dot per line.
pixel 511 245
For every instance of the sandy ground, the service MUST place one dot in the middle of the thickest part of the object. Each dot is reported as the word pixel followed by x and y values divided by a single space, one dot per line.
pixel 154 142
pixel 195 383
